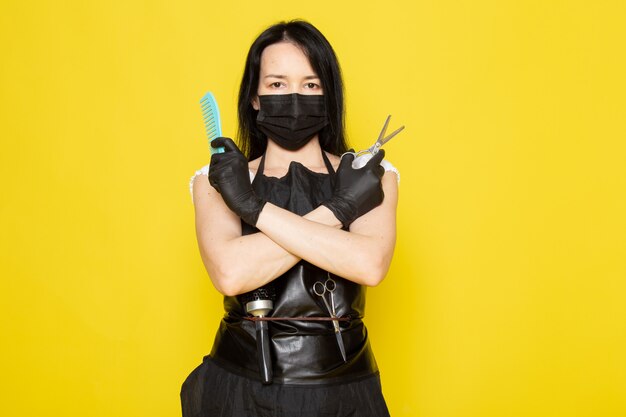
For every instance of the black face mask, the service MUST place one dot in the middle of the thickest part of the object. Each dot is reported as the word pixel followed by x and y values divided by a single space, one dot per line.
pixel 291 120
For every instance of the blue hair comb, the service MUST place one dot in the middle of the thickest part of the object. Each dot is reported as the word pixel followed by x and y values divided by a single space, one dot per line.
pixel 211 116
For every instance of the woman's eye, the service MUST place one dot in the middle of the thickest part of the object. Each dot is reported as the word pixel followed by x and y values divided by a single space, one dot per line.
pixel 311 85
pixel 275 84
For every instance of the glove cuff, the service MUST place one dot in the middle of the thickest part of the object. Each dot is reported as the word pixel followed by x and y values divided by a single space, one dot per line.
pixel 343 211
pixel 251 211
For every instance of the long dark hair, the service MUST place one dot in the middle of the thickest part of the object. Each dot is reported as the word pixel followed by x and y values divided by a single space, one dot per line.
pixel 323 60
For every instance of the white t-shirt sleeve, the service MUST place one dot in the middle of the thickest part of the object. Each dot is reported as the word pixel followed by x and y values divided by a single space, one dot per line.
pixel 205 171
pixel 389 167
pixel 363 159
pixel 202 171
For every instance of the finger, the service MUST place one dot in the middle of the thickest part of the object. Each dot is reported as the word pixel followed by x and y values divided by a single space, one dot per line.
pixel 220 160
pixel 349 151
pixel 376 159
pixel 215 159
pixel 380 171
pixel 346 160
pixel 226 143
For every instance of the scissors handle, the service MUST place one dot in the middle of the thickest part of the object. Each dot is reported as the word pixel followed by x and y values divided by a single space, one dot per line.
pixel 319 288
pixel 330 286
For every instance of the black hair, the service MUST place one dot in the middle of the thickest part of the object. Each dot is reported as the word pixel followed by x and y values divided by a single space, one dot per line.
pixel 323 60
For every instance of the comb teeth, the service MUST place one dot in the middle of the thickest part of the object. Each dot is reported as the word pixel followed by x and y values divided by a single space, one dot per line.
pixel 211 117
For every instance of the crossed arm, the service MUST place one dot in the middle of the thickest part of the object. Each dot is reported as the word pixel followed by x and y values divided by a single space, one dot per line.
pixel 237 264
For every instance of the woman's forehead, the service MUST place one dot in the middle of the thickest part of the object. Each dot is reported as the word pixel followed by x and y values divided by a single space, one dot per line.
pixel 285 59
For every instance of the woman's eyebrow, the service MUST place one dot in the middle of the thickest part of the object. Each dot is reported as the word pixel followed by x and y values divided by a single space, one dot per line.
pixel 308 77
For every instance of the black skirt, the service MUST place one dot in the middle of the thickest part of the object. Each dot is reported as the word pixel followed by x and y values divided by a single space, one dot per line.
pixel 211 390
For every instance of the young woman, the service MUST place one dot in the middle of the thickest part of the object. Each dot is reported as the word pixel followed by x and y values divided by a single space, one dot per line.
pixel 291 223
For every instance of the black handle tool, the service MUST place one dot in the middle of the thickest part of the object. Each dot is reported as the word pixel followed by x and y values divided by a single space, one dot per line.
pixel 259 303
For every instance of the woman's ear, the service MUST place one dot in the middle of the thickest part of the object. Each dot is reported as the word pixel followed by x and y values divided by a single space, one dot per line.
pixel 255 103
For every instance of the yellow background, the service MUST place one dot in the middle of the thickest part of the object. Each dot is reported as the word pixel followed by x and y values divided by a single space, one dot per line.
pixel 507 293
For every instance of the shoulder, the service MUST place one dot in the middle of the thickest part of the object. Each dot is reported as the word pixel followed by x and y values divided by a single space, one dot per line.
pixel 204 172
pixel 389 167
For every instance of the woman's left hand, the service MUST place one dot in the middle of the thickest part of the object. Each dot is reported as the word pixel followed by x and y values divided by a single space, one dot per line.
pixel 357 191
pixel 229 175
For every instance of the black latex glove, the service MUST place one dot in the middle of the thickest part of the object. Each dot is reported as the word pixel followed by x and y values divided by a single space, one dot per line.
pixel 229 175
pixel 357 191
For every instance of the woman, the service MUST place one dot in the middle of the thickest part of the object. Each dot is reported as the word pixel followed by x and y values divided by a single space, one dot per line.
pixel 285 220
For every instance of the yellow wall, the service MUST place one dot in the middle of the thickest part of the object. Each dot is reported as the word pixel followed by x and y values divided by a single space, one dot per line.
pixel 510 272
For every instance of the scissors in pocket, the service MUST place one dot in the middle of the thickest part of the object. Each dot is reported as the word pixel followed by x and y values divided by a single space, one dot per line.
pixel 329 286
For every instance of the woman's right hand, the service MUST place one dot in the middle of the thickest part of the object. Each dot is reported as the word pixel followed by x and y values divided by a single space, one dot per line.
pixel 356 191
pixel 229 175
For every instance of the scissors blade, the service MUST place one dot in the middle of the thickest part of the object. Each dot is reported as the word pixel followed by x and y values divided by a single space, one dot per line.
pixel 330 311
pixel 382 139
pixel 391 135
pixel 342 347
pixel 382 132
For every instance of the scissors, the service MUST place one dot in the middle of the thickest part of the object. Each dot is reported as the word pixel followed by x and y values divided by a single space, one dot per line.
pixel 329 286
pixel 382 139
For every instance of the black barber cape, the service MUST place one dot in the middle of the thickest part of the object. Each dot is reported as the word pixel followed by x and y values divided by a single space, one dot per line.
pixel 304 353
